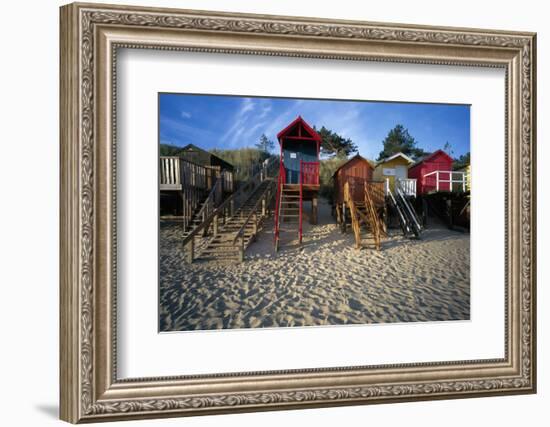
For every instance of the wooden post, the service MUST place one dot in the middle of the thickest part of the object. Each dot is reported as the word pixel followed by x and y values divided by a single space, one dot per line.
pixel 241 249
pixel 184 222
pixel 263 207
pixel 344 225
pixel 450 211
pixel 313 219
pixel 189 251
pixel 385 219
pixel 254 224
pixel 215 226
pixel 424 211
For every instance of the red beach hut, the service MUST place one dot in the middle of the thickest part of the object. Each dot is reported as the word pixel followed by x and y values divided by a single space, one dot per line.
pixel 435 173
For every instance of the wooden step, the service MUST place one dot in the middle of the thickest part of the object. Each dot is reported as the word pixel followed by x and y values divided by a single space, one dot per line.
pixel 233 258
pixel 219 250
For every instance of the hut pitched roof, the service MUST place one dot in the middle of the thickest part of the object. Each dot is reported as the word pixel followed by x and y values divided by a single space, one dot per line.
pixel 429 156
pixel 204 157
pixel 394 156
pixel 299 122
pixel 357 156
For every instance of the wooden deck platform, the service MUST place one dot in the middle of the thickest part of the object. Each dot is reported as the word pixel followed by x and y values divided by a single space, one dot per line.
pixel 309 191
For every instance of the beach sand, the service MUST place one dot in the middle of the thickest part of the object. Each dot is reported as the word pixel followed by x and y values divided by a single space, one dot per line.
pixel 325 281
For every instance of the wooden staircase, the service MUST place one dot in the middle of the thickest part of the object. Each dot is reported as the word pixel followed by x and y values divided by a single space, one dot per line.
pixel 364 216
pixel 227 228
pixel 206 206
pixel 231 239
pixel 196 216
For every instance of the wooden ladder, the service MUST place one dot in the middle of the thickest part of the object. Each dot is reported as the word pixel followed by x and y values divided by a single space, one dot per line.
pixel 290 212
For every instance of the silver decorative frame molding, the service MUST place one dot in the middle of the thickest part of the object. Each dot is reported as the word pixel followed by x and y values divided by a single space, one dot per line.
pixel 90 36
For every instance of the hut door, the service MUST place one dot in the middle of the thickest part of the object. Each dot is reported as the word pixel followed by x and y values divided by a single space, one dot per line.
pixel 400 172
pixel 292 165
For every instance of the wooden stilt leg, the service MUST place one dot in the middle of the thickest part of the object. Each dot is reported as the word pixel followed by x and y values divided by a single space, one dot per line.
pixel 241 250
pixel 189 249
pixel 314 211
pixel 215 226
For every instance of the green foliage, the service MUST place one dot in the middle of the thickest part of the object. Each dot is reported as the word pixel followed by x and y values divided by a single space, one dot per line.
pixel 326 170
pixel 333 144
pixel 265 144
pixel 245 160
pixel 169 150
pixel 399 140
pixel 463 160
pixel 448 148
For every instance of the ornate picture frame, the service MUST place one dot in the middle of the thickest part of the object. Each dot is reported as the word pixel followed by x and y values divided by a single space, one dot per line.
pixel 90 37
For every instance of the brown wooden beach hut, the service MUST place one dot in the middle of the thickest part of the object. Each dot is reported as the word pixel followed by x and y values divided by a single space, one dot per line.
pixel 219 167
pixel 360 198
pixel 356 171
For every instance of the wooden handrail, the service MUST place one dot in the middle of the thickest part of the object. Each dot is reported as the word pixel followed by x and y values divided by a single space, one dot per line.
pixel 211 195
pixel 225 203
pixel 353 214
pixel 253 211
pixel 372 216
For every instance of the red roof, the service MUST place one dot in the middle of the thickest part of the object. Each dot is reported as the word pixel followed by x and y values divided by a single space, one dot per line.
pixel 435 154
pixel 299 121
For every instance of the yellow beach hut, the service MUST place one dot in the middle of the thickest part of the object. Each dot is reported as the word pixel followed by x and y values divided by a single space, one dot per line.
pixel 466 169
pixel 395 168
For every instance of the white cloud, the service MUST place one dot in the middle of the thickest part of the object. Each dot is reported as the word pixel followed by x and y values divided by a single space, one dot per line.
pixel 185 114
pixel 240 119
pixel 247 105
pixel 266 109
pixel 183 133
pixel 284 118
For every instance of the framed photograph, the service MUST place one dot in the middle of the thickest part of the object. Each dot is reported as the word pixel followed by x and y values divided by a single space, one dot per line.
pixel 266 212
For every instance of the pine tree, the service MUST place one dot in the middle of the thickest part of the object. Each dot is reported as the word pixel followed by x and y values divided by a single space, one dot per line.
pixel 333 144
pixel 265 144
pixel 399 140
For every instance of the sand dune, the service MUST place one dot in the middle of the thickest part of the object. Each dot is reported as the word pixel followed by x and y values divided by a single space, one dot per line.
pixel 325 281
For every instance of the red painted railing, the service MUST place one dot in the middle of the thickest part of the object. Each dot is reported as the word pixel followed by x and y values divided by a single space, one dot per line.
pixel 280 183
pixel 301 180
pixel 309 173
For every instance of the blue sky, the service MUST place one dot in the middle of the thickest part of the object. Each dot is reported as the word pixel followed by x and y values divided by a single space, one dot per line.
pixel 214 121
